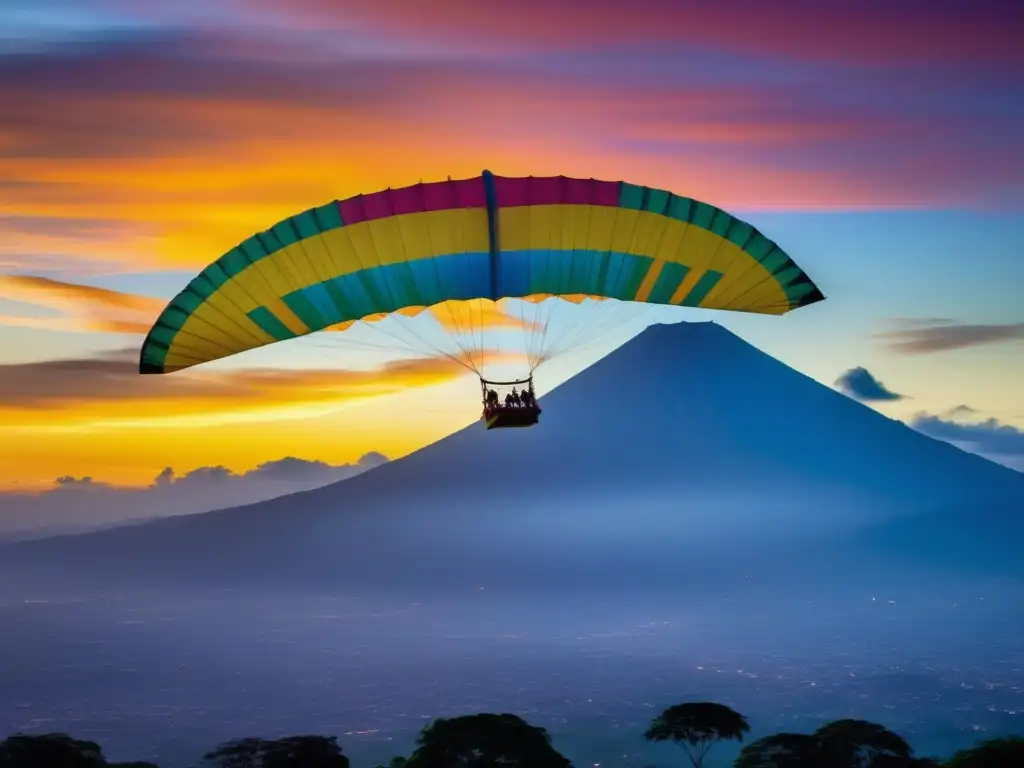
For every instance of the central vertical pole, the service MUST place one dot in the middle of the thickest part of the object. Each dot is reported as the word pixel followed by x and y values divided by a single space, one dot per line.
pixel 491 197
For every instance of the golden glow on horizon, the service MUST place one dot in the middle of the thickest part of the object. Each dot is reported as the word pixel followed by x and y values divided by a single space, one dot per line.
pixel 394 426
pixel 38 397
pixel 296 417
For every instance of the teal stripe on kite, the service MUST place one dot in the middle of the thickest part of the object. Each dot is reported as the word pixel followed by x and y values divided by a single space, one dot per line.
pixel 703 287
pixel 668 281
pixel 604 273
pixel 270 324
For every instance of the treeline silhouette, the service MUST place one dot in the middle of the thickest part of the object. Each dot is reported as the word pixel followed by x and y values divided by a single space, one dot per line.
pixel 489 740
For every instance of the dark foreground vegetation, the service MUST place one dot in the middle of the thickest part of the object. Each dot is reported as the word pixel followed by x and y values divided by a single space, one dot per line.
pixel 486 740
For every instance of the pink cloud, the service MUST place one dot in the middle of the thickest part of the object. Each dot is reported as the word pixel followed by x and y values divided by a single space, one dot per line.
pixel 866 32
pixel 174 122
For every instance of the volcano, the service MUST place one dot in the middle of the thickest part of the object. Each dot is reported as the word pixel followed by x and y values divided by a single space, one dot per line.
pixel 682 451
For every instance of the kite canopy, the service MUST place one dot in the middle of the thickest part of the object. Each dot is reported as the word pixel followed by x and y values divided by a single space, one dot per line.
pixel 490 237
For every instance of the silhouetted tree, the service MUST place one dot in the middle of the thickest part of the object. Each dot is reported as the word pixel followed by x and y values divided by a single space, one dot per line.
pixel 994 753
pixel 696 727
pixel 289 752
pixel 396 762
pixel 53 750
pixel 483 741
pixel 133 764
pixel 782 750
pixel 840 744
pixel 238 753
pixel 859 743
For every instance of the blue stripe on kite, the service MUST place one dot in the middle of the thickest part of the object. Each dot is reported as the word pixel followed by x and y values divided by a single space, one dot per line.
pixel 358 301
pixel 464 276
pixel 601 273
pixel 321 299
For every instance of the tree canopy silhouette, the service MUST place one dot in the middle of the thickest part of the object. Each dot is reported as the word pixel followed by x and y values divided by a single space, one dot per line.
pixel 488 740
pixel 858 743
pixel 839 744
pixel 53 750
pixel 994 753
pixel 696 727
pixel 780 750
pixel 289 752
pixel 485 740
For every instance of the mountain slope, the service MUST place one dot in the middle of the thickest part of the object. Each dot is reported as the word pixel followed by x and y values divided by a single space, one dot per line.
pixel 691 404
pixel 680 452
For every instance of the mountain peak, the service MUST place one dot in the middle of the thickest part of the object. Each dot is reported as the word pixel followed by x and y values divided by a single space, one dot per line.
pixel 691 405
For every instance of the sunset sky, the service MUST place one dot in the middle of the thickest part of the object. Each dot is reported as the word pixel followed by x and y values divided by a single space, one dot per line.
pixel 879 145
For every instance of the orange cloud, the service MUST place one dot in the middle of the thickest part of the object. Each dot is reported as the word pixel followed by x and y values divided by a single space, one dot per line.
pixel 108 391
pixel 70 244
pixel 468 317
pixel 80 307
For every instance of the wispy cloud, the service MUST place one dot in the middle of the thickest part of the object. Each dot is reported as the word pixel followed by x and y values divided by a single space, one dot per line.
pixel 860 384
pixel 108 391
pixel 79 307
pixel 69 243
pixel 928 339
pixel 905 323
pixel 84 502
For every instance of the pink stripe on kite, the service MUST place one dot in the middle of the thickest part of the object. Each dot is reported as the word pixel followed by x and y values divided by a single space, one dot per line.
pixel 434 196
pixel 555 190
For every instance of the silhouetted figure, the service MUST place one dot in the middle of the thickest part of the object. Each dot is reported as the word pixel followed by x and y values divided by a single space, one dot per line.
pixel 492 399
pixel 515 398
pixel 508 400
pixel 527 397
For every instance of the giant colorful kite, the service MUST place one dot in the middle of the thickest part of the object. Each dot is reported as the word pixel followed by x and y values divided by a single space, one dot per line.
pixel 487 238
